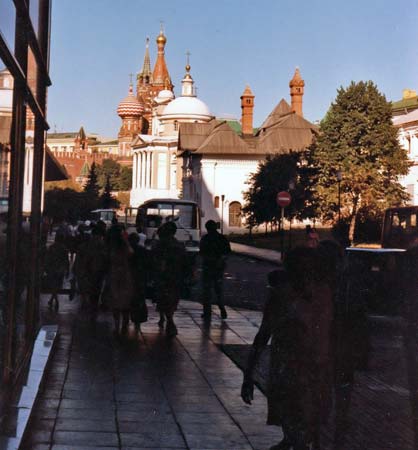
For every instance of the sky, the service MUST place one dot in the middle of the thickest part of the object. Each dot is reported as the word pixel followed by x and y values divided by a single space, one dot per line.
pixel 96 44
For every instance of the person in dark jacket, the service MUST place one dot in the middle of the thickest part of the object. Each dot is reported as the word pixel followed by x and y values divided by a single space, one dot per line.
pixel 214 248
pixel 139 266
pixel 169 261
pixel 56 267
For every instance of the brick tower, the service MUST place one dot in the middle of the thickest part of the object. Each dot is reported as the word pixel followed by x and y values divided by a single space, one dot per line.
pixel 144 88
pixel 247 107
pixel 160 76
pixel 297 85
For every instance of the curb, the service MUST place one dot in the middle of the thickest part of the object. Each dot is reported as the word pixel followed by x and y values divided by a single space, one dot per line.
pixel 19 412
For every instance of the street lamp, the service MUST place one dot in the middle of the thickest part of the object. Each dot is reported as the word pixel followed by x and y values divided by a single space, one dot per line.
pixel 339 178
pixel 222 213
pixel 292 186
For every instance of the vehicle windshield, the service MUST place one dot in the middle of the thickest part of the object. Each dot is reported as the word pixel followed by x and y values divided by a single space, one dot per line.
pixel 183 215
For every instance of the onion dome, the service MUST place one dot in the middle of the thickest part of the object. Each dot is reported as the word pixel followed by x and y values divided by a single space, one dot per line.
pixel 187 108
pixel 297 79
pixel 161 39
pixel 130 106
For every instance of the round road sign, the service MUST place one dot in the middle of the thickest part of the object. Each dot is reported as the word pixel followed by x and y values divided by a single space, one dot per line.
pixel 283 199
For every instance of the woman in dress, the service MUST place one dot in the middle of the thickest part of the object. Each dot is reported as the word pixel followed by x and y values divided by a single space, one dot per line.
pixel 298 319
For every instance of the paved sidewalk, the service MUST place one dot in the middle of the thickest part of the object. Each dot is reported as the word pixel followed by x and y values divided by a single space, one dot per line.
pixel 146 391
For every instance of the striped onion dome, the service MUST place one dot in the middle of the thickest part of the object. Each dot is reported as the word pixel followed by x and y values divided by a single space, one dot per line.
pixel 130 106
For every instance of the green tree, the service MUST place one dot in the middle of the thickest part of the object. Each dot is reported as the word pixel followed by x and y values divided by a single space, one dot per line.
pixel 358 139
pixel 276 174
pixel 108 169
pixel 106 199
pixel 125 179
pixel 92 188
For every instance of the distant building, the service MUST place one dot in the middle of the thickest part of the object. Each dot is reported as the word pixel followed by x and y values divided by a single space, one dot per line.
pixel 407 125
pixel 408 103
pixel 217 160
pixel 76 151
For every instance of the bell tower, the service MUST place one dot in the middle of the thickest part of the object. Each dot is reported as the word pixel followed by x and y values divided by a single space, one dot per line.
pixel 247 107
pixel 297 85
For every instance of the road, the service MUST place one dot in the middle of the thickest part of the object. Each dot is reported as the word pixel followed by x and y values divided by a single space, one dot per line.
pixel 245 282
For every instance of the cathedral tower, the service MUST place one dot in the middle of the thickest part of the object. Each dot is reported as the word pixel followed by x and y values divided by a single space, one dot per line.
pixel 247 107
pixel 296 92
pixel 160 77
pixel 144 88
pixel 130 111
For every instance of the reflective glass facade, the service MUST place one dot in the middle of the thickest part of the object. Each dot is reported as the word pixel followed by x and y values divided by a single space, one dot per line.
pixel 24 61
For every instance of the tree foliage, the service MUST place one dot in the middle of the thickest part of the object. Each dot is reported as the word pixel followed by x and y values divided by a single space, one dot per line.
pixel 357 137
pixel 106 200
pixel 68 204
pixel 276 174
pixel 91 187
pixel 120 176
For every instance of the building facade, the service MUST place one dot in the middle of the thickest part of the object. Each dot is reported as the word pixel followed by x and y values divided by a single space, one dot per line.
pixel 156 169
pixel 24 57
pixel 217 159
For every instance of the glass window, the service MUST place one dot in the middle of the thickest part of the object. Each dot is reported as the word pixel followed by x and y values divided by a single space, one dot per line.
pixel 34 14
pixel 8 22
pixel 32 72
pixel 6 110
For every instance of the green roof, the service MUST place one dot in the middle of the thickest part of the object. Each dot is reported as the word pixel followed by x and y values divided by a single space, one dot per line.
pixel 236 126
pixel 85 169
pixel 66 135
pixel 406 104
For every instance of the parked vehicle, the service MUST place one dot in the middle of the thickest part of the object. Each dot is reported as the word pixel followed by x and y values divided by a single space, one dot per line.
pixel 378 270
pixel 106 215
pixel 153 213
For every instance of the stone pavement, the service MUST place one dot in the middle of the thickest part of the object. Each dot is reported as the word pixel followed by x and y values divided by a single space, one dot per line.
pixel 145 391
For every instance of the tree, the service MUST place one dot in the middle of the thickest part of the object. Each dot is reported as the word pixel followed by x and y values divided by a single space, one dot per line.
pixel 125 179
pixel 358 139
pixel 274 175
pixel 120 176
pixel 106 199
pixel 91 188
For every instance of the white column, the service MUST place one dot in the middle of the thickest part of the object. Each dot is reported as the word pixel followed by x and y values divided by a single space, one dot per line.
pixel 142 169
pixel 134 169
pixel 146 169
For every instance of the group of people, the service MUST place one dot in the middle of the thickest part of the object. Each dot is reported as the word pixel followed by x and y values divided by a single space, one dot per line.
pixel 116 269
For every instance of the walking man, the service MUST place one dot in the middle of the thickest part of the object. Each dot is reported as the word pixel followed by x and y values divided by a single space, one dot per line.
pixel 214 248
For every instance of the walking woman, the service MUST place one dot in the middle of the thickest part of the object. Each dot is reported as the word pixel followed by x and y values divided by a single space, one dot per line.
pixel 298 318
pixel 56 268
pixel 120 280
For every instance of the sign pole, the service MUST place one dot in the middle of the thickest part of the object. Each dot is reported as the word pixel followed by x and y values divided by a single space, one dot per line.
pixel 282 232
pixel 283 199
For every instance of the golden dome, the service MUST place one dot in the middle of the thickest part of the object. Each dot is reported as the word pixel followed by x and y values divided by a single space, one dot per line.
pixel 188 68
pixel 161 39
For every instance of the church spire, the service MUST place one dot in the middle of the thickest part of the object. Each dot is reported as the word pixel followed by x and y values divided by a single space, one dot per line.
pixel 145 76
pixel 187 89
pixel 160 75
pixel 296 92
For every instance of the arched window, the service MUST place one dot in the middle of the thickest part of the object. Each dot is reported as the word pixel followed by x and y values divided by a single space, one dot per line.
pixel 235 214
pixel 216 202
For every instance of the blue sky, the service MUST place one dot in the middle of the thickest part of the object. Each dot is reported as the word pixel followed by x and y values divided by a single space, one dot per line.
pixel 96 44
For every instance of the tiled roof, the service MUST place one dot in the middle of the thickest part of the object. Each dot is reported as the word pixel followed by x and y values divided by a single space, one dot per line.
pixel 406 104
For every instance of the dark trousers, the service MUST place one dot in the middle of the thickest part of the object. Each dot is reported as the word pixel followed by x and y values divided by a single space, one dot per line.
pixel 212 280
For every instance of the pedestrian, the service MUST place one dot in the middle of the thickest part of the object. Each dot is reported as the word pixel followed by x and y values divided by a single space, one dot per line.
pixel 312 237
pixel 214 248
pixel 56 268
pixel 169 260
pixel 80 267
pixel 91 263
pixel 139 267
pixel 142 235
pixel 298 318
pixel 120 282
